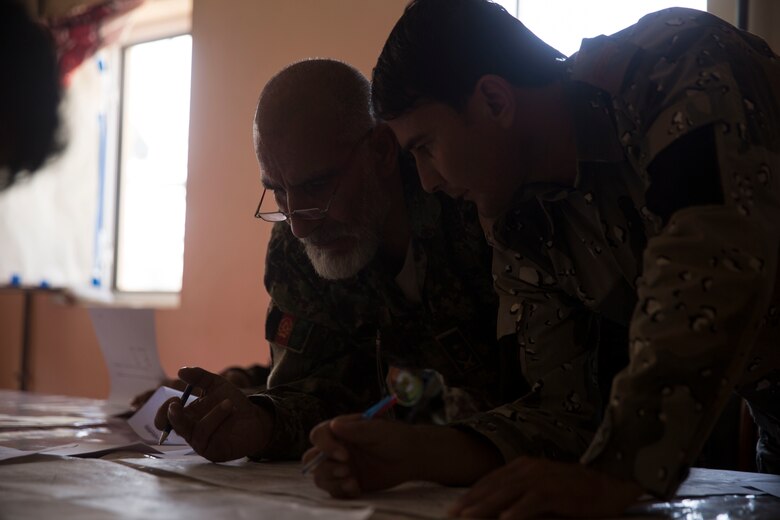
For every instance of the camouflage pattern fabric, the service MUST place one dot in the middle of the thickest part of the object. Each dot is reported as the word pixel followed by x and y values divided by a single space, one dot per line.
pixel 326 359
pixel 705 308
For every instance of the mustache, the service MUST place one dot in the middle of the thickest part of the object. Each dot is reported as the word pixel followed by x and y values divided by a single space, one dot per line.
pixel 327 233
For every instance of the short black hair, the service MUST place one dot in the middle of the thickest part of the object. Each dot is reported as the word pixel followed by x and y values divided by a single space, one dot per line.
pixel 30 92
pixel 439 49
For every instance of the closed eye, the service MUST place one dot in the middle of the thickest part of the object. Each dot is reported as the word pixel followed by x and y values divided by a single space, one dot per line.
pixel 423 149
pixel 316 186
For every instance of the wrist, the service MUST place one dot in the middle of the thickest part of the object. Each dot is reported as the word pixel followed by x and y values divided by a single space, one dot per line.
pixel 265 422
pixel 453 457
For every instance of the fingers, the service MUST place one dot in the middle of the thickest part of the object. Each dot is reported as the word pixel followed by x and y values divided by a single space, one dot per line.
pixel 532 488
pixel 309 455
pixel 332 476
pixel 161 417
pixel 322 438
pixel 494 492
pixel 237 377
pixel 212 388
pixel 529 506
pixel 203 379
pixel 179 421
pixel 203 429
pixel 197 431
pixel 493 503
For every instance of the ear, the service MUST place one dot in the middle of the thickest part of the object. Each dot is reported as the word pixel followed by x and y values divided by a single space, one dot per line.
pixel 385 150
pixel 494 98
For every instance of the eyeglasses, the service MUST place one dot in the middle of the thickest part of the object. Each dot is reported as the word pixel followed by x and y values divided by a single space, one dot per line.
pixel 315 213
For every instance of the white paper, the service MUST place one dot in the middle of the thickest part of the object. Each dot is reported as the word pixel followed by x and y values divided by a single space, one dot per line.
pixel 96 449
pixel 79 489
pixel 771 488
pixel 417 499
pixel 12 453
pixel 707 482
pixel 19 422
pixel 142 422
pixel 129 345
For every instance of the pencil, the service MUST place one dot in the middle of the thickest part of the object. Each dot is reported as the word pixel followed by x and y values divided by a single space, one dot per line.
pixel 168 427
pixel 373 411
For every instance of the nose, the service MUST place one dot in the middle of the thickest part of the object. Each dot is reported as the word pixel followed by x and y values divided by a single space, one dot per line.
pixel 430 179
pixel 302 228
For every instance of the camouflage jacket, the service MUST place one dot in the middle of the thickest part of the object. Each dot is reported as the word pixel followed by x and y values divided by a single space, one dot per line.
pixel 700 228
pixel 325 356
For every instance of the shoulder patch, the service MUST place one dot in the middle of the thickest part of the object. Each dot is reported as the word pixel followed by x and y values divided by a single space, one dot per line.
pixel 287 330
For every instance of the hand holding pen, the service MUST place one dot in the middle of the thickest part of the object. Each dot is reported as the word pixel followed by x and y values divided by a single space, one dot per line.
pixel 366 455
pixel 377 409
pixel 167 430
pixel 222 424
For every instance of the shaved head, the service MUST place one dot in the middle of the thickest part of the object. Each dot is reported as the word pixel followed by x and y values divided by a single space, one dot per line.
pixel 313 99
pixel 313 127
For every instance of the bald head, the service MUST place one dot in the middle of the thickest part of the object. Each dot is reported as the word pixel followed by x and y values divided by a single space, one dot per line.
pixel 319 101
pixel 319 148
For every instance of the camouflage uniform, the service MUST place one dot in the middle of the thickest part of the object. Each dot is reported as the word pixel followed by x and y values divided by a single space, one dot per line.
pixel 678 139
pixel 323 333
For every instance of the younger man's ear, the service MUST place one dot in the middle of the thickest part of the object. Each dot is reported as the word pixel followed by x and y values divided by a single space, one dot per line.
pixel 494 98
pixel 385 148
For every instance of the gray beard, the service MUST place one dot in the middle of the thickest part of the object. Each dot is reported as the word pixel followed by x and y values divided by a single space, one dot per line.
pixel 340 266
pixel 366 231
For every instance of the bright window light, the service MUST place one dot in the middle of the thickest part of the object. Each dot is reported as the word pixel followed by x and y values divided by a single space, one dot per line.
pixel 153 165
pixel 564 23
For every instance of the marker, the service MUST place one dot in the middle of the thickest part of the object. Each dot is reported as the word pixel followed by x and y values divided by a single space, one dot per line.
pixel 373 411
pixel 168 427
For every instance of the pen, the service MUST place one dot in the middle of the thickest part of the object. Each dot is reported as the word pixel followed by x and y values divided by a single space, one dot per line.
pixel 373 411
pixel 168 427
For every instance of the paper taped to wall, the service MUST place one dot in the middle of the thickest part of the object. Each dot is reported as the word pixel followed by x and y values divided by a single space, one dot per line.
pixel 129 344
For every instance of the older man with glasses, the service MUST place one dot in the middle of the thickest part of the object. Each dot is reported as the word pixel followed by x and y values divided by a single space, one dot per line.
pixel 358 251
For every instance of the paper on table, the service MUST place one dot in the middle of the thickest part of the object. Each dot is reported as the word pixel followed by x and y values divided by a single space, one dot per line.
pixel 12 453
pixel 75 489
pixel 418 499
pixel 142 422
pixel 707 482
pixel 85 449
pixel 129 345
pixel 770 487
pixel 96 450
pixel 17 422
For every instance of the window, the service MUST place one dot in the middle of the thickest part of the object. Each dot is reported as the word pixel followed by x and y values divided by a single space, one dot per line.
pixel 104 219
pixel 564 23
pixel 153 165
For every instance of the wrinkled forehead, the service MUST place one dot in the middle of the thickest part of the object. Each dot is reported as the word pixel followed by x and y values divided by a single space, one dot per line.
pixel 300 153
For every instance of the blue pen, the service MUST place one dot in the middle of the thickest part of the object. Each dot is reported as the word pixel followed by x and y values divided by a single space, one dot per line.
pixel 374 410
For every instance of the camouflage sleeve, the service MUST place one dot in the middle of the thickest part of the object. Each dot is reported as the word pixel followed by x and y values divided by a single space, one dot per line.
pixel 319 369
pixel 707 281
pixel 708 276
pixel 306 389
pixel 557 342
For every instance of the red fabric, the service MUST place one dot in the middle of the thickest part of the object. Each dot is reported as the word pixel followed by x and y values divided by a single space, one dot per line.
pixel 78 35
